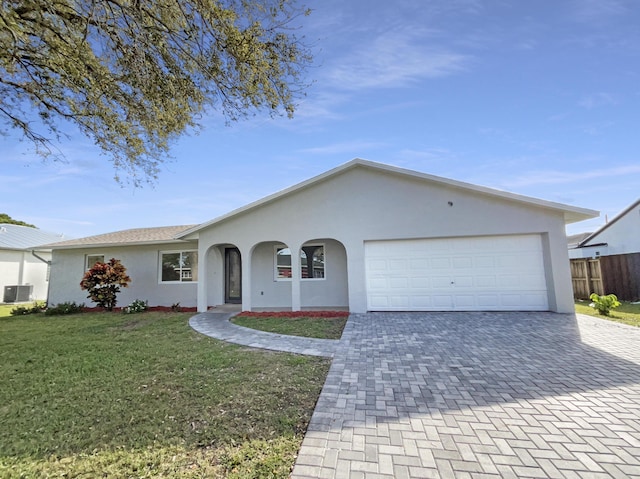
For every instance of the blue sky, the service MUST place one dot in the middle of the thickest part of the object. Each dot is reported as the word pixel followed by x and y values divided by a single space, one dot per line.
pixel 538 98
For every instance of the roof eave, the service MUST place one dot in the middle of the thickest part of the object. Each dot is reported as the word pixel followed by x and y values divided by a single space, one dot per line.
pixel 118 244
pixel 613 221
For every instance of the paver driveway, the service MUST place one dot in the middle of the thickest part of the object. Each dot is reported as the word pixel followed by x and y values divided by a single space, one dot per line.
pixel 475 395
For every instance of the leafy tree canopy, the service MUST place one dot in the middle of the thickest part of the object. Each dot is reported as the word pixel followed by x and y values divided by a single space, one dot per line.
pixel 133 75
pixel 8 220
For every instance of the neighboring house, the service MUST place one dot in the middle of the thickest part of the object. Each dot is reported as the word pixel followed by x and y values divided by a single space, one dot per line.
pixel 574 240
pixel 24 268
pixel 608 260
pixel 363 236
pixel 621 235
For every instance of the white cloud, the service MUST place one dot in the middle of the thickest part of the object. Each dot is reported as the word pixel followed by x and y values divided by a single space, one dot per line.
pixel 551 177
pixel 596 100
pixel 355 146
pixel 598 10
pixel 393 59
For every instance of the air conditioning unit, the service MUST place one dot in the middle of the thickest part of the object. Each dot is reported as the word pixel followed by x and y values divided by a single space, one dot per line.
pixel 18 293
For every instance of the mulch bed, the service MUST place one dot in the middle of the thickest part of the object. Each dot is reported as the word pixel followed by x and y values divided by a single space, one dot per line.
pixel 294 314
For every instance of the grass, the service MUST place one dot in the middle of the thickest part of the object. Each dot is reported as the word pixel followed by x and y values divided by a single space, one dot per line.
pixel 143 395
pixel 627 313
pixel 305 324
pixel 5 309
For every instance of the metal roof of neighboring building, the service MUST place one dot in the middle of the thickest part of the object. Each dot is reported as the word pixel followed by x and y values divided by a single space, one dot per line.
pixel 25 237
pixel 135 236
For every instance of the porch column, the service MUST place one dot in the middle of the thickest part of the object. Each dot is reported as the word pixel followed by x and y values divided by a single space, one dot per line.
pixel 245 258
pixel 295 276
pixel 201 289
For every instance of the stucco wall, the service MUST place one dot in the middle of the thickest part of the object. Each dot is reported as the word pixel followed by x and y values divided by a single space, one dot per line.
pixel 623 236
pixel 22 268
pixel 142 263
pixel 363 204
pixel 268 292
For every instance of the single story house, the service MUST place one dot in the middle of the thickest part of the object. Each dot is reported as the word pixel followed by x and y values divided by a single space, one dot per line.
pixel 24 265
pixel 363 236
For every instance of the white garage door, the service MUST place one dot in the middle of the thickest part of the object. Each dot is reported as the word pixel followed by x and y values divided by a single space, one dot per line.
pixel 489 273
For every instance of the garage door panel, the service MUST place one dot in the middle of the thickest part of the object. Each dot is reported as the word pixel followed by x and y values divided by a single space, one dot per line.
pixel 420 283
pixel 440 263
pixel 486 281
pixel 421 302
pixel 441 282
pixel 419 264
pixel 401 283
pixel 462 262
pixel 443 302
pixel 463 281
pixel 479 273
pixel 377 265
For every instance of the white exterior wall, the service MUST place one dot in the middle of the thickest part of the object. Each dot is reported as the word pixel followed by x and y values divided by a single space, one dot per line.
pixel 19 267
pixel 622 237
pixel 363 204
pixel 267 292
pixel 589 252
pixel 143 266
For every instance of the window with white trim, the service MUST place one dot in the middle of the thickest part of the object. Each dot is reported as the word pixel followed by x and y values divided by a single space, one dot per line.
pixel 312 262
pixel 178 266
pixel 92 259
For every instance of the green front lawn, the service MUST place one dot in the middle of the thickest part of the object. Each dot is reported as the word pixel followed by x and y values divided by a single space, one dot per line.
pixel 113 395
pixel 308 324
pixel 5 309
pixel 627 313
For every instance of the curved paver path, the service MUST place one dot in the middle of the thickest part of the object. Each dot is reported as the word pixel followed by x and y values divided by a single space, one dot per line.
pixel 217 325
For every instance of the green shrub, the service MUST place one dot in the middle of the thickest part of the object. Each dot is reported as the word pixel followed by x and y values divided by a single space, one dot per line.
pixel 64 308
pixel 23 310
pixel 138 306
pixel 604 304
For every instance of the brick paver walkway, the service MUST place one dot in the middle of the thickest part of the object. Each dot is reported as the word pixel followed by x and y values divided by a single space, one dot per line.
pixel 478 395
pixel 217 325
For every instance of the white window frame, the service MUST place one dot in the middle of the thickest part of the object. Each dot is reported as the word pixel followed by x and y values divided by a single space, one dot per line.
pixel 86 260
pixel 283 246
pixel 276 276
pixel 181 252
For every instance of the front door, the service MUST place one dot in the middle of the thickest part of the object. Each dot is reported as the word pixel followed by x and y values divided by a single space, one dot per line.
pixel 232 276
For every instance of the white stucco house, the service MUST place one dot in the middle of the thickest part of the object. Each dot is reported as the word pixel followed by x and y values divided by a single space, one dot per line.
pixel 621 235
pixel 24 267
pixel 363 236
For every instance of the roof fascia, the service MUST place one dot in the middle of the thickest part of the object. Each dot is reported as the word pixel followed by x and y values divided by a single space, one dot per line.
pixel 622 214
pixel 111 245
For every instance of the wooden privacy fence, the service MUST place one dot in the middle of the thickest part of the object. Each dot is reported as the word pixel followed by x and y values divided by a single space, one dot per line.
pixel 586 277
pixel 618 274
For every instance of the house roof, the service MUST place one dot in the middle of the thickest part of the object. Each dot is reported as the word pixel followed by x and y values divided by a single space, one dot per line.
pixel 571 214
pixel 131 237
pixel 24 237
pixel 589 238
pixel 574 240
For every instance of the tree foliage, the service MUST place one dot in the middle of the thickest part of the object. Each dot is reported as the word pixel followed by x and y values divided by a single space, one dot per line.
pixel 134 74
pixel 103 281
pixel 8 220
